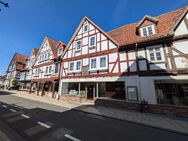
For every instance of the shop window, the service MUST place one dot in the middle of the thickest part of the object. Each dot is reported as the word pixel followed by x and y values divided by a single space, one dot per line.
pixel 115 90
pixel 172 92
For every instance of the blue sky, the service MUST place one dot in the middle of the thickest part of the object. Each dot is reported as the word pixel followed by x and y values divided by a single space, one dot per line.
pixel 24 25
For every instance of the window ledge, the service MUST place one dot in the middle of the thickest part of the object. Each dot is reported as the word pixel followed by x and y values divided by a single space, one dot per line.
pixel 155 62
pixel 95 70
pixel 92 47
pixel 71 72
pixel 77 50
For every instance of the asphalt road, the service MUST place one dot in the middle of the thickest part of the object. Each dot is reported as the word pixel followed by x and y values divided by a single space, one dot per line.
pixel 36 121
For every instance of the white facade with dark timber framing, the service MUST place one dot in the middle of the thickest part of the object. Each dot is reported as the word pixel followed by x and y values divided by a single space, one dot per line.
pixel 140 61
pixel 45 78
pixel 90 63
pixel 27 73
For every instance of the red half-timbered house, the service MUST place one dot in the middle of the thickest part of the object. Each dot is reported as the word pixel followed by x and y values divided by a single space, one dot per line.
pixel 17 64
pixel 45 78
pixel 146 60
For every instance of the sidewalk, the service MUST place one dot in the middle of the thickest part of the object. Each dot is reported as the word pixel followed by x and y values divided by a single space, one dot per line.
pixel 49 100
pixel 171 123
pixel 167 122
pixel 3 137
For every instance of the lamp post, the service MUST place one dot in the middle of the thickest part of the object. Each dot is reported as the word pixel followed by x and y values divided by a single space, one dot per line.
pixel 5 4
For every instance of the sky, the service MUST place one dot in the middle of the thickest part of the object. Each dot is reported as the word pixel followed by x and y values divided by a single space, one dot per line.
pixel 24 25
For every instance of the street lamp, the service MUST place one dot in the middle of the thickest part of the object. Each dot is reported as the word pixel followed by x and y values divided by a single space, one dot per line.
pixel 5 4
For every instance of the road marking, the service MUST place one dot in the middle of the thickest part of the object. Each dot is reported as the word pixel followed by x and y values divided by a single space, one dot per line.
pixel 34 130
pixel 25 116
pixel 71 137
pixel 4 106
pixel 13 110
pixel 43 124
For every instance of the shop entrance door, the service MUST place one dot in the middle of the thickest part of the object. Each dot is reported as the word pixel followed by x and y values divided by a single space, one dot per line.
pixel 90 91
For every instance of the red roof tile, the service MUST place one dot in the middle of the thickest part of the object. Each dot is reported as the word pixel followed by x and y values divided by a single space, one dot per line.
pixel 127 34
pixel 19 58
pixel 55 45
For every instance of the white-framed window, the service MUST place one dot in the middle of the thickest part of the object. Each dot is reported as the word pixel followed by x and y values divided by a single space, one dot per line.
pixel 46 69
pixel 45 56
pixel 50 69
pixel 103 62
pixel 75 66
pixel 147 31
pixel 85 28
pixel 98 63
pixel 49 54
pixel 155 54
pixel 78 65
pixel 57 65
pixel 71 66
pixel 78 45
pixel 59 52
pixel 92 41
pixel 93 63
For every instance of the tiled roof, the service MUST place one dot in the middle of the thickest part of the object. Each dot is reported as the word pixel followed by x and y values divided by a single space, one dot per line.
pixel 20 61
pixel 55 45
pixel 127 34
pixel 20 58
pixel 59 45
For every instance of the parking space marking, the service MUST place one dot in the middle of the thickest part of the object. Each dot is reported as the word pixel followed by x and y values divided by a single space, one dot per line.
pixel 44 125
pixel 14 119
pixel 25 116
pixel 71 137
pixel 34 130
pixel 4 106
pixel 13 110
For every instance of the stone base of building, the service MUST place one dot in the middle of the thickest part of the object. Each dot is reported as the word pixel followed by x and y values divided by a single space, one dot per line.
pixel 73 99
pixel 181 111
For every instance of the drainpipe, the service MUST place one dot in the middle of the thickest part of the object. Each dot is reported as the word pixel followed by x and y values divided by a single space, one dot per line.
pixel 138 76
pixel 60 74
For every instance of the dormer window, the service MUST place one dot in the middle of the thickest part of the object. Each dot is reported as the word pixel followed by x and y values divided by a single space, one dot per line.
pixel 147 30
pixel 60 50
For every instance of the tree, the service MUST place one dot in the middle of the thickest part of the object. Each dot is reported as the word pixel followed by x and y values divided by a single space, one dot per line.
pixel 14 82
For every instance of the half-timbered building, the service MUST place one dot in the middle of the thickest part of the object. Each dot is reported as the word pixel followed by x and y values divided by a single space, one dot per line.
pixel 45 78
pixel 27 72
pixel 16 65
pixel 146 60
